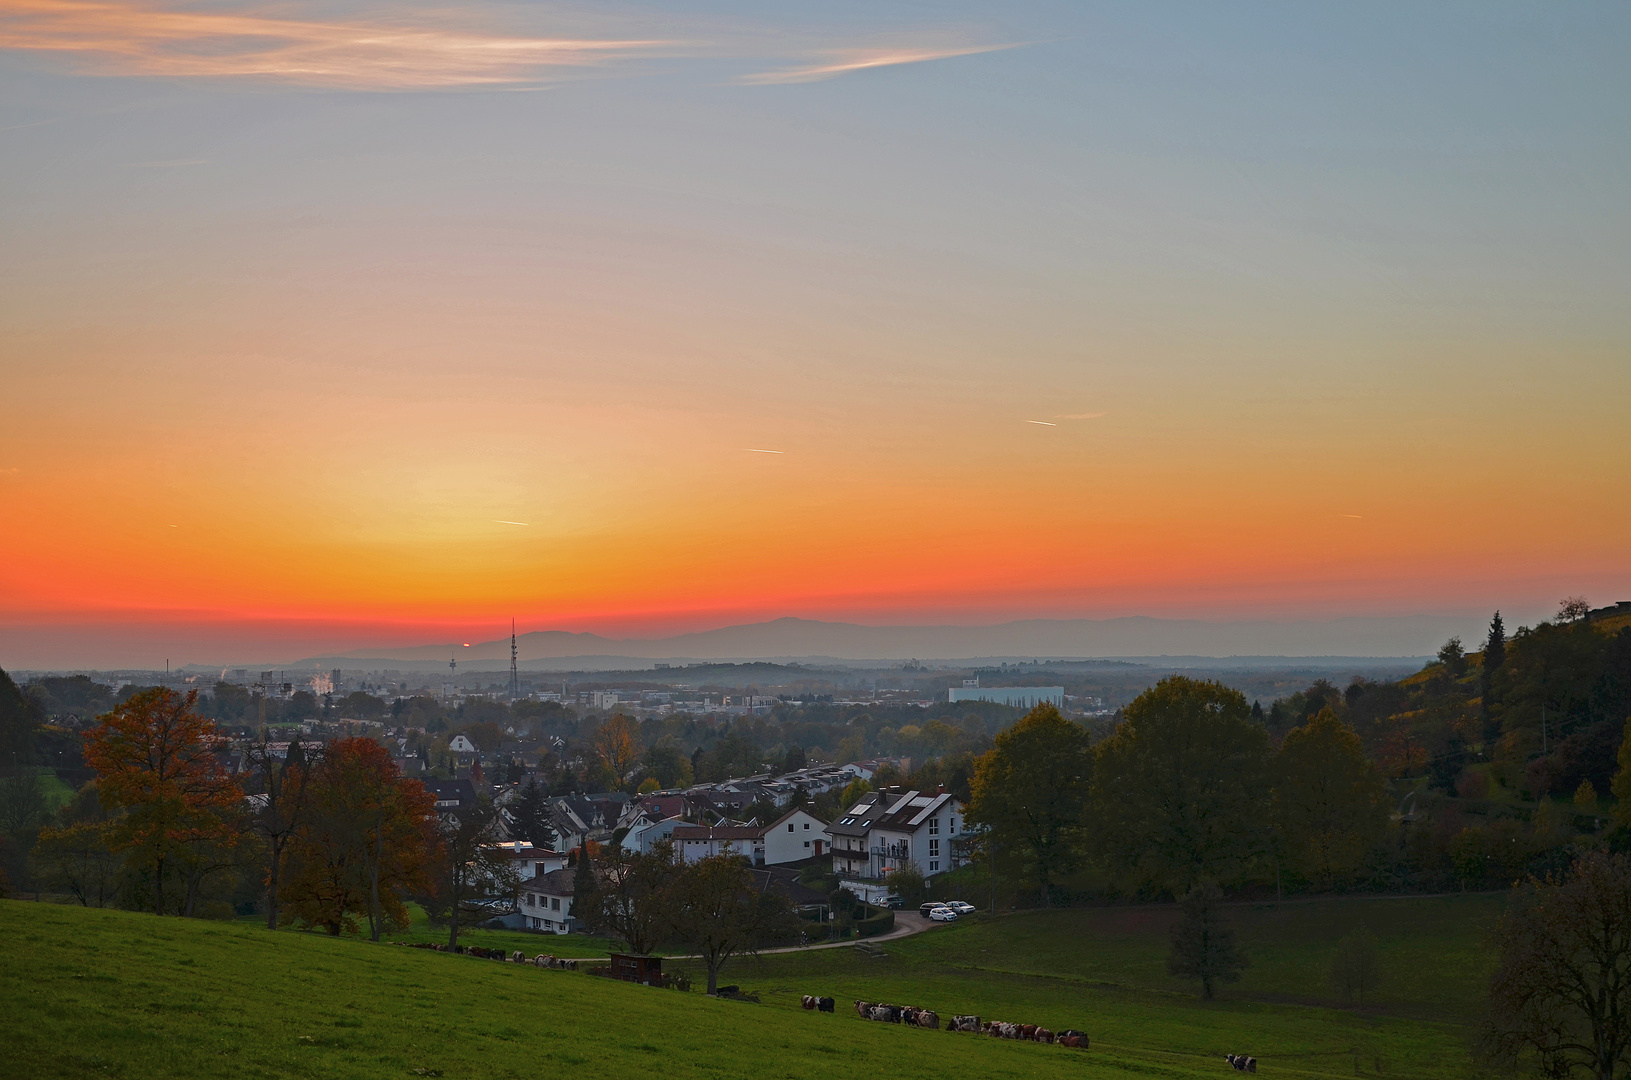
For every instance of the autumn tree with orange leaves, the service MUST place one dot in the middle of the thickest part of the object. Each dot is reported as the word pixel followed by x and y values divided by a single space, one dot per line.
pixel 365 841
pixel 616 745
pixel 155 757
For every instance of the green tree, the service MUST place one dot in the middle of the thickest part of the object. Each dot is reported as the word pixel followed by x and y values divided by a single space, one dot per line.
pixel 19 719
pixel 1203 945
pixel 906 881
pixel 853 791
pixel 1622 780
pixel 1330 806
pixel 668 766
pixel 361 705
pixel 1181 787
pixel 1030 791
pixel 532 820
pixel 795 760
pixel 1494 659
pixel 22 803
pixel 1453 657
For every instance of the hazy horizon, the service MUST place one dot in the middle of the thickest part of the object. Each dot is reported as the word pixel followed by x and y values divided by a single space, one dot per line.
pixel 192 644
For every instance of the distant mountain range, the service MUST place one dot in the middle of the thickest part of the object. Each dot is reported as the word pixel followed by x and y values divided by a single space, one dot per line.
pixel 809 640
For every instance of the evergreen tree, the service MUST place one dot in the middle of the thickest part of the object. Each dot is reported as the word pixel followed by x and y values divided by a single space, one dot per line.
pixel 1495 645
pixel 585 888
pixel 1203 947
pixel 532 817
pixel 1494 658
pixel 19 719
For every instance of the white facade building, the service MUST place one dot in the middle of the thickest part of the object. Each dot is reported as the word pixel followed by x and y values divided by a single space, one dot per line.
pixel 889 828
pixel 794 836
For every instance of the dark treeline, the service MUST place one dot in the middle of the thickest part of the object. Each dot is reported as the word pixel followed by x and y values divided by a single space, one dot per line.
pixel 1482 769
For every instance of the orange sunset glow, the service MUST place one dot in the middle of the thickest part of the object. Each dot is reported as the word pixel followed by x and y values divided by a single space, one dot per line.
pixel 395 324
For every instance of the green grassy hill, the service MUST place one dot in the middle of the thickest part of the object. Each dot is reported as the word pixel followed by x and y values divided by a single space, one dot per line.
pixel 110 993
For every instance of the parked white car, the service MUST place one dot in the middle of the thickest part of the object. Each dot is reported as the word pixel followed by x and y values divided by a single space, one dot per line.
pixel 962 907
pixel 943 914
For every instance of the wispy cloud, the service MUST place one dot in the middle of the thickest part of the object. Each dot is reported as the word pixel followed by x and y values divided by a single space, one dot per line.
pixel 846 61
pixel 1082 416
pixel 755 450
pixel 1044 423
pixel 119 37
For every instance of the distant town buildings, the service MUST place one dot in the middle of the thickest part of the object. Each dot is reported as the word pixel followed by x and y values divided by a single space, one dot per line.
pixel 1019 697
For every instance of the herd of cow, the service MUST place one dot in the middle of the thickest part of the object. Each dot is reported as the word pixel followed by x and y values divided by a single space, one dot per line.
pixel 996 1029
pixel 543 960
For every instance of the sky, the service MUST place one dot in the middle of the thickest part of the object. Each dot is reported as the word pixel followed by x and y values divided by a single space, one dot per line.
pixel 328 324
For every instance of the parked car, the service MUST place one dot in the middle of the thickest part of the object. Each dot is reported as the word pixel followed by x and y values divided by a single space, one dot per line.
pixel 896 902
pixel 943 914
pixel 962 907
pixel 925 909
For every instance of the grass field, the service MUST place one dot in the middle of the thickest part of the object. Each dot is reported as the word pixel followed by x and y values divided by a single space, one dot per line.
pixel 128 995
pixel 1103 971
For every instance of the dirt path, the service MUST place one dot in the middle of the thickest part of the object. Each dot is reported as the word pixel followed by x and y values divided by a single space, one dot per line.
pixel 906 924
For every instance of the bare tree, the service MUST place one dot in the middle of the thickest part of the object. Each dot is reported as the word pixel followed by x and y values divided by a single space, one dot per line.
pixel 1561 995
pixel 473 878
pixel 1354 967
pixel 1203 946
pixel 1572 609
pixel 632 898
pixel 719 912
pixel 279 807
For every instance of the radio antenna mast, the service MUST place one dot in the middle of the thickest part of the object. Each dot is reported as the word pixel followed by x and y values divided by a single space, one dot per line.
pixel 515 676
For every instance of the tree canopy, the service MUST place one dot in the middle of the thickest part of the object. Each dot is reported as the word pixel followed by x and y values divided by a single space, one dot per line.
pixel 1181 787
pixel 1030 790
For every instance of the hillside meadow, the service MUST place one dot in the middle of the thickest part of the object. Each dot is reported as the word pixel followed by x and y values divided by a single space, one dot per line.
pixel 121 994
pixel 109 993
pixel 1103 971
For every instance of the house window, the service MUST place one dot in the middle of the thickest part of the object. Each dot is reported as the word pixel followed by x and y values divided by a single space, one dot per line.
pixel 934 826
pixel 555 903
pixel 934 848
pixel 790 826
pixel 933 866
pixel 806 843
pixel 806 826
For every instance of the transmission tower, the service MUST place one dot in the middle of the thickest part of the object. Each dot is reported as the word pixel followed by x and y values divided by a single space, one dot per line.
pixel 515 675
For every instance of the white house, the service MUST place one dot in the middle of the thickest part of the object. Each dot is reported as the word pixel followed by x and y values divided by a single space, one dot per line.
pixel 794 836
pixel 644 836
pixel 461 745
pixel 545 902
pixel 891 827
